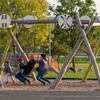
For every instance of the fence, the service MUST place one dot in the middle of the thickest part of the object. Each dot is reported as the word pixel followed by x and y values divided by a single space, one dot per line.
pixel 12 57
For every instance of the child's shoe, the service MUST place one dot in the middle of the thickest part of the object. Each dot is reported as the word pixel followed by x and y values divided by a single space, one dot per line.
pixel 44 83
pixel 25 82
pixel 13 82
pixel 6 82
pixel 73 69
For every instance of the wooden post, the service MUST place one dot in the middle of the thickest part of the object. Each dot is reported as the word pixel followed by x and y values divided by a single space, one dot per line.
pixel 60 75
pixel 18 45
pixel 1 84
pixel 89 49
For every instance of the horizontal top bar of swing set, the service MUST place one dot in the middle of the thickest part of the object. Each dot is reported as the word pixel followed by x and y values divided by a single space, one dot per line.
pixel 97 23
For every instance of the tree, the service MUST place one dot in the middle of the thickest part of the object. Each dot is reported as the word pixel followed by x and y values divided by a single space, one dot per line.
pixel 93 38
pixel 17 9
pixel 73 7
pixel 59 47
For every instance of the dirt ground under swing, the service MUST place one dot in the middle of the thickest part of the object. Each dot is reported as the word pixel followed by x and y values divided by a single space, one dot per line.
pixel 64 85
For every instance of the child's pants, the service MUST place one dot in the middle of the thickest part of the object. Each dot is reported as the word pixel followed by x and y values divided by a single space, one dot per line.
pixel 10 76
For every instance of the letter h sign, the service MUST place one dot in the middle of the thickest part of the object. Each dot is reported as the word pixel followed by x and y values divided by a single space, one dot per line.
pixel 4 21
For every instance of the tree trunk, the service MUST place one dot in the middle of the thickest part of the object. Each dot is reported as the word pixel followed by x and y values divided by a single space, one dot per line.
pixel 58 59
pixel 73 60
pixel 58 63
pixel 14 51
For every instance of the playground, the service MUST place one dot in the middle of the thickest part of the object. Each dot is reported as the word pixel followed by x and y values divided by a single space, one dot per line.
pixel 58 84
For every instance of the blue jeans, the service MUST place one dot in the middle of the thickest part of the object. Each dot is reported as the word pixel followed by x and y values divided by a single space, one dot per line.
pixel 20 76
pixel 40 76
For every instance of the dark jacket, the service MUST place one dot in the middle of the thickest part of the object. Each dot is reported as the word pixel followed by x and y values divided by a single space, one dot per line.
pixel 21 64
pixel 28 67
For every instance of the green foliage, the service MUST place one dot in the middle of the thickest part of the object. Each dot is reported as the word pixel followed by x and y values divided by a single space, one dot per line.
pixel 3 39
pixel 18 9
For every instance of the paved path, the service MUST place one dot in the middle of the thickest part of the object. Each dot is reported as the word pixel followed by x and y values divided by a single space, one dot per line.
pixel 49 95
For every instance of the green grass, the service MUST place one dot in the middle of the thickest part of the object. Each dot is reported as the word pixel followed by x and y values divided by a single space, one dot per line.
pixel 71 75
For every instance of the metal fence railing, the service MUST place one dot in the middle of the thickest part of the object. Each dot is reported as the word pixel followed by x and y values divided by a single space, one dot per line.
pixel 13 58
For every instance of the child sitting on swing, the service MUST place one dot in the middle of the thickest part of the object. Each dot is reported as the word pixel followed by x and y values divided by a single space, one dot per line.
pixel 7 70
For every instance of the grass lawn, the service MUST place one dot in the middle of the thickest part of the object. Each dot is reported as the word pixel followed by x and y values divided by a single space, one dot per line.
pixel 71 75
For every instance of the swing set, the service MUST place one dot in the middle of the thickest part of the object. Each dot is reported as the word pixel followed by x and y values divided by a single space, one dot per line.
pixel 64 22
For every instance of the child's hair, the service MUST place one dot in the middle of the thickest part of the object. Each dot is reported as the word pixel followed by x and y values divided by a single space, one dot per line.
pixel 8 61
pixel 43 55
pixel 20 59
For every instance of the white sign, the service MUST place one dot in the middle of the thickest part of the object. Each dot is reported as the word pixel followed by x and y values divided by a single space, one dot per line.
pixel 28 17
pixel 85 18
pixel 4 21
pixel 65 21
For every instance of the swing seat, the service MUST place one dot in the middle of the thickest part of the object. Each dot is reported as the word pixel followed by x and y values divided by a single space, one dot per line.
pixel 30 73
pixel 14 71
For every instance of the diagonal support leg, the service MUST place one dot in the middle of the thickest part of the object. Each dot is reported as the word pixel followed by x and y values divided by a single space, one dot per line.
pixel 60 75
pixel 18 45
pixel 89 49
pixel 1 84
